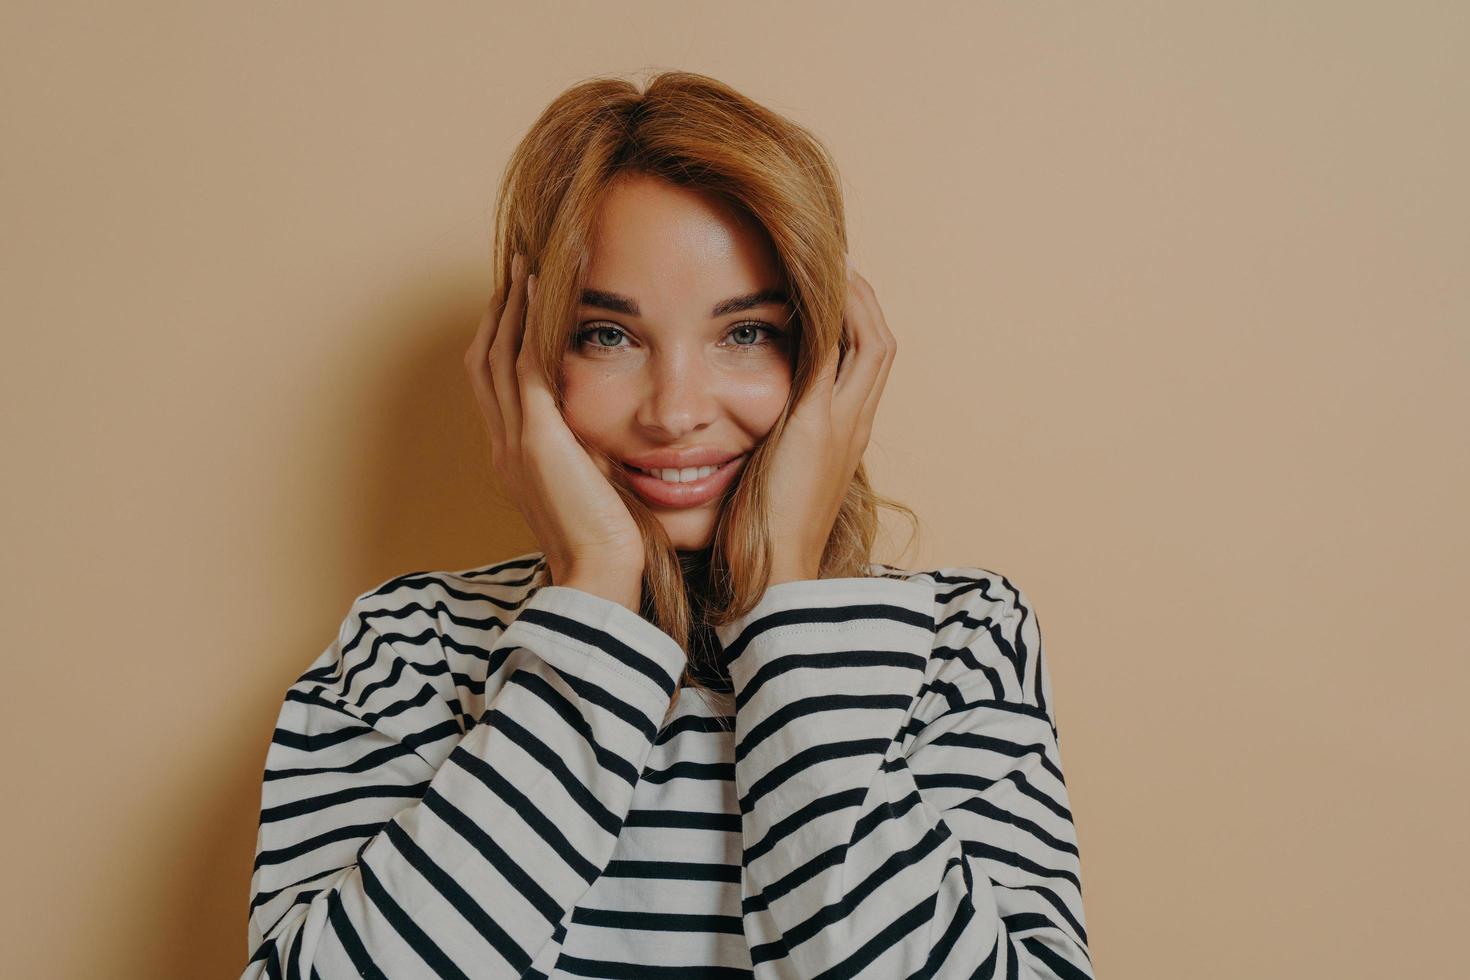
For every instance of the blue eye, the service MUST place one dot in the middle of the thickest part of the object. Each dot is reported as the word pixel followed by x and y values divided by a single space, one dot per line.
pixel 581 337
pixel 771 331
pixel 584 338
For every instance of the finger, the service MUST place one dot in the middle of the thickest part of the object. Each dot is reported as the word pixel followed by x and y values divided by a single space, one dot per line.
pixel 883 336
pixel 503 361
pixel 865 360
pixel 825 380
pixel 540 407
pixel 816 401
pixel 537 401
pixel 477 365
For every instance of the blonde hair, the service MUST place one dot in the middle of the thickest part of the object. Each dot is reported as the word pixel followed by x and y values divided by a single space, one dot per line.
pixel 693 131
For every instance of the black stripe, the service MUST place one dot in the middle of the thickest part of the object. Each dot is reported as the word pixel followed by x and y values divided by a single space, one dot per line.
pixel 815 705
pixel 496 856
pixel 939 953
pixel 463 903
pixel 658 921
pixel 405 926
pixel 805 759
pixel 602 640
pixel 1053 961
pixel 858 660
pixel 517 802
pixel 293 957
pixel 833 856
pixel 311 804
pixel 348 937
pixel 827 615
pixel 281 855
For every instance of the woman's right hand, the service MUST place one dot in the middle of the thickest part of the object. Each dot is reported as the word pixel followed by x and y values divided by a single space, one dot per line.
pixel 579 520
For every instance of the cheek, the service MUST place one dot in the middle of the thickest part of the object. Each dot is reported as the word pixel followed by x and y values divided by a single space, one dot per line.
pixel 758 399
pixel 593 402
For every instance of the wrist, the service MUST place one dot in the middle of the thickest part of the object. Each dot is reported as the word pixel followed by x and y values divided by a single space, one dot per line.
pixel 613 588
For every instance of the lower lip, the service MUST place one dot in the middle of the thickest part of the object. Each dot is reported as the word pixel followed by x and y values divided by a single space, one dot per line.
pixel 680 495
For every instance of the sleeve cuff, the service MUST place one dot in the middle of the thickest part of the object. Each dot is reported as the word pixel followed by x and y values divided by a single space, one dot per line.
pixel 607 633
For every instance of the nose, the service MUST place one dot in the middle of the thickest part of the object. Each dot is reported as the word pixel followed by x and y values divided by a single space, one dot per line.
pixel 680 395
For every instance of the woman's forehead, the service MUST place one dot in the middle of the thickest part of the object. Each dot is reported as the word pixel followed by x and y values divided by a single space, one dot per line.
pixel 651 235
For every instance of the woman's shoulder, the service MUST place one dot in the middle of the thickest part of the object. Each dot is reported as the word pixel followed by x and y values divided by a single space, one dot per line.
pixel 417 630
pixel 422 617
pixel 970 587
pixel 503 585
pixel 987 642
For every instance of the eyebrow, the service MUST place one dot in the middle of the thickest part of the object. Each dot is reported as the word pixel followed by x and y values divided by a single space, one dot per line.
pixel 628 306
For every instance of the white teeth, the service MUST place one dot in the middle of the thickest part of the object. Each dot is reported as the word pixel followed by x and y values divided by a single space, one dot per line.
pixel 686 475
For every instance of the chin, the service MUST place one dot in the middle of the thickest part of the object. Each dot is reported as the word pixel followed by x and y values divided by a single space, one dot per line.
pixel 690 535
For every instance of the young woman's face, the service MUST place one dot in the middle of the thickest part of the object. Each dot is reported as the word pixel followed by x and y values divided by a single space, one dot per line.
pixel 684 347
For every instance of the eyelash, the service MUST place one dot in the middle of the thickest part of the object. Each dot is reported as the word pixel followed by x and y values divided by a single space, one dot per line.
pixel 579 339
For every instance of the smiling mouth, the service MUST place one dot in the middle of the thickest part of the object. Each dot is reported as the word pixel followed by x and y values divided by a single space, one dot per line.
pixel 689 474
pixel 705 485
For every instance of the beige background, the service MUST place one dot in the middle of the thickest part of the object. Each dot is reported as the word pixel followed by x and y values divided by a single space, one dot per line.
pixel 1181 293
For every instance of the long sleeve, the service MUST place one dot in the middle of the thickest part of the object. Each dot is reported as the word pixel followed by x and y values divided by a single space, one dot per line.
pixel 393 843
pixel 900 785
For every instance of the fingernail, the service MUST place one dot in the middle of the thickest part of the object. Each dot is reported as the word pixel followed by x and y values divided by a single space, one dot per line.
pixel 531 286
pixel 517 265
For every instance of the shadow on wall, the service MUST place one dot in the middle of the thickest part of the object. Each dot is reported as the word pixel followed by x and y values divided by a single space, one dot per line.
pixel 404 483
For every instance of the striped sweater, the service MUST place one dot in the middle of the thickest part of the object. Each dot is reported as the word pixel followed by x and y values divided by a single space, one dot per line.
pixel 475 779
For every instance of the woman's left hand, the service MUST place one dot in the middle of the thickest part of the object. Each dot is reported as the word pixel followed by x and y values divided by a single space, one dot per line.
pixel 825 437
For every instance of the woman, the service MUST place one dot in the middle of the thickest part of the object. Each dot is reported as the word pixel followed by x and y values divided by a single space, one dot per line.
pixel 490 772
